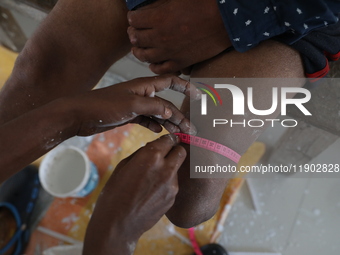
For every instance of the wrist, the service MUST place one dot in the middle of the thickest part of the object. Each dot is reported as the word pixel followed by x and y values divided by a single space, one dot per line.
pixel 33 134
pixel 113 239
pixel 125 239
pixel 66 118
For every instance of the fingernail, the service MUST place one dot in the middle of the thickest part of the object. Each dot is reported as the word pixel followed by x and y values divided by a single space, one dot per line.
pixel 192 129
pixel 133 39
pixel 199 94
pixel 178 139
pixel 181 155
pixel 167 112
pixel 189 128
pixel 174 129
pixel 159 116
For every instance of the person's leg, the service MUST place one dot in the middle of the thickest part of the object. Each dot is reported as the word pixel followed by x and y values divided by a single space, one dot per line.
pixel 198 199
pixel 67 55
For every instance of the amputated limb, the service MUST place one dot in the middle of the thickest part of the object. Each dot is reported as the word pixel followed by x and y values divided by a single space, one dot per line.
pixel 198 199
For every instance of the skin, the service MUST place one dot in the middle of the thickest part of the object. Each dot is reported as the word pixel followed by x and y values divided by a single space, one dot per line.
pixel 123 213
pixel 59 64
pixel 67 55
pixel 129 102
pixel 150 34
pixel 74 47
pixel 175 34
pixel 198 199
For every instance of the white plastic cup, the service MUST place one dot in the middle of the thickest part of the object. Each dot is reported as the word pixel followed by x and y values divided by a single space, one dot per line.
pixel 66 171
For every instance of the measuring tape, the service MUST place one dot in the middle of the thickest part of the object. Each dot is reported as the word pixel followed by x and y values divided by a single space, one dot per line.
pixel 209 145
pixel 194 242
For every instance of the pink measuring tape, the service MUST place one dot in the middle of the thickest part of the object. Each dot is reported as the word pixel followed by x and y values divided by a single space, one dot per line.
pixel 193 241
pixel 209 145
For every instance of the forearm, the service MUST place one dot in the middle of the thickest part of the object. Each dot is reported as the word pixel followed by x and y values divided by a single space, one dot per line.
pixel 111 230
pixel 31 135
pixel 68 54
pixel 109 243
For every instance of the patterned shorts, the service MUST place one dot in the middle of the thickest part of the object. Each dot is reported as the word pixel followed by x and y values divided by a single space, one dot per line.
pixel 316 48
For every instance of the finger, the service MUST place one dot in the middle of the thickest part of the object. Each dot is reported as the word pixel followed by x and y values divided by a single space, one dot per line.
pixel 187 70
pixel 143 38
pixel 123 162
pixel 164 109
pixel 121 165
pixel 165 67
pixel 160 147
pixel 148 123
pixel 165 143
pixel 151 12
pixel 150 55
pixel 172 128
pixel 139 19
pixel 164 82
pixel 154 106
pixel 173 162
pixel 176 157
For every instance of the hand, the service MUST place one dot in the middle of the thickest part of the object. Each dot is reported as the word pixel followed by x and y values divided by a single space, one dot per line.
pixel 133 102
pixel 175 34
pixel 140 191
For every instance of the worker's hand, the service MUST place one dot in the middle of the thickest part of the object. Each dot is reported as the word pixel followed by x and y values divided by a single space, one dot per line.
pixel 140 191
pixel 175 34
pixel 133 102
